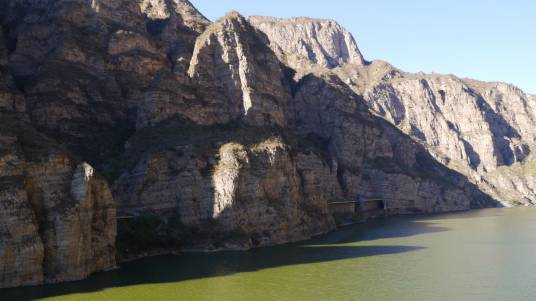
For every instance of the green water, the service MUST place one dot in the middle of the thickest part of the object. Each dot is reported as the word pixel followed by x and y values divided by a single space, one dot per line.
pixel 478 255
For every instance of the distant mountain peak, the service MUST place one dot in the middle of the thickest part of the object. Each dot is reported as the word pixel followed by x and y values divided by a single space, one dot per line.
pixel 303 43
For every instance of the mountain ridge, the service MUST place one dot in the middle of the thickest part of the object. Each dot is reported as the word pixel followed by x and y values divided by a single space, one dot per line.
pixel 231 134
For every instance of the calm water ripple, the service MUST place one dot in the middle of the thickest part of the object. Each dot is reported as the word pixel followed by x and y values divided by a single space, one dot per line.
pixel 479 255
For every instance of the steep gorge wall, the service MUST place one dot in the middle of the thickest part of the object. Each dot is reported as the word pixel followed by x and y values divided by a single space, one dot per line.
pixel 58 218
pixel 482 130
pixel 233 134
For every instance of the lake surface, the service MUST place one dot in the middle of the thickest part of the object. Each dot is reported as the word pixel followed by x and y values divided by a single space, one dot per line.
pixel 479 255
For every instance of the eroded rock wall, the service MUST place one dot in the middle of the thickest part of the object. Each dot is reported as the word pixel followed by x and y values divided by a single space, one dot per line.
pixel 304 43
pixel 58 218
pixel 476 128
pixel 372 158
pixel 473 127
pixel 233 66
pixel 233 134
pixel 257 186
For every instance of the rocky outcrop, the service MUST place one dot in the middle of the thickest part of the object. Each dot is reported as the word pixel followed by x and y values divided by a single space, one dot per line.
pixel 304 43
pixel 235 69
pixel 58 218
pixel 438 107
pixel 212 171
pixel 21 247
pixel 175 25
pixel 470 126
pixel 225 135
pixel 248 182
pixel 93 71
pixel 10 99
pixel 373 159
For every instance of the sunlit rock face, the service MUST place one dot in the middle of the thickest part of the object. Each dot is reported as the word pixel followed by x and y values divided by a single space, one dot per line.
pixel 482 130
pixel 479 129
pixel 229 134
pixel 58 218
pixel 234 67
pixel 253 186
pixel 305 43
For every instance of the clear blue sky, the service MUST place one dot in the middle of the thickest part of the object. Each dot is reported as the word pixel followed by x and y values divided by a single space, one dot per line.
pixel 483 39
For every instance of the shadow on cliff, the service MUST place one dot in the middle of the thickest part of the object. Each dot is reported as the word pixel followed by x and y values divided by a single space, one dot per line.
pixel 405 156
pixel 340 245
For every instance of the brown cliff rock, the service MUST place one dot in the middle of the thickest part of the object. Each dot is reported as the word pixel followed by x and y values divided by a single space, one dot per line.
pixel 175 24
pixel 58 219
pixel 470 126
pixel 10 99
pixel 235 69
pixel 248 184
pixel 228 135
pixel 304 43
pixel 372 158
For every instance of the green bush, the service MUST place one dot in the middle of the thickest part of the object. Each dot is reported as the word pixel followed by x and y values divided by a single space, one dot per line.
pixel 149 231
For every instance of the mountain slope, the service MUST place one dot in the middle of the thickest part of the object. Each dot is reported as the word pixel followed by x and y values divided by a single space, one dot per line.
pixel 482 130
pixel 230 134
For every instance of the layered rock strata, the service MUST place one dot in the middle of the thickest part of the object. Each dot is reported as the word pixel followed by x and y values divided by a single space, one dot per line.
pixel 58 218
pixel 230 134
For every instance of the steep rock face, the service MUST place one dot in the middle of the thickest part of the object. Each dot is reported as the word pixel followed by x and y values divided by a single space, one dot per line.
pixel 233 135
pixel 21 247
pixel 372 158
pixel 59 58
pixel 471 126
pixel 93 71
pixel 58 219
pixel 431 105
pixel 304 43
pixel 258 188
pixel 175 24
pixel 235 69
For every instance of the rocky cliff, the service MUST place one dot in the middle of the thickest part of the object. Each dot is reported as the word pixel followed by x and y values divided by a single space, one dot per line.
pixel 482 130
pixel 230 134
pixel 479 129
pixel 303 43
pixel 58 218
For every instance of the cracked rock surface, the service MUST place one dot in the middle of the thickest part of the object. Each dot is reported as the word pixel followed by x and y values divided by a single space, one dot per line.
pixel 230 134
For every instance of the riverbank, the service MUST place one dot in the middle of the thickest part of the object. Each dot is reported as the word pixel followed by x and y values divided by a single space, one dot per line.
pixel 454 256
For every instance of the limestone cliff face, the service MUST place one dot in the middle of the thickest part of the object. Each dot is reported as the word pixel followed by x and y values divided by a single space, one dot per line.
pixel 235 68
pixel 373 159
pixel 470 126
pixel 261 190
pixel 93 71
pixel 305 43
pixel 478 129
pixel 440 108
pixel 58 218
pixel 175 24
pixel 229 135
